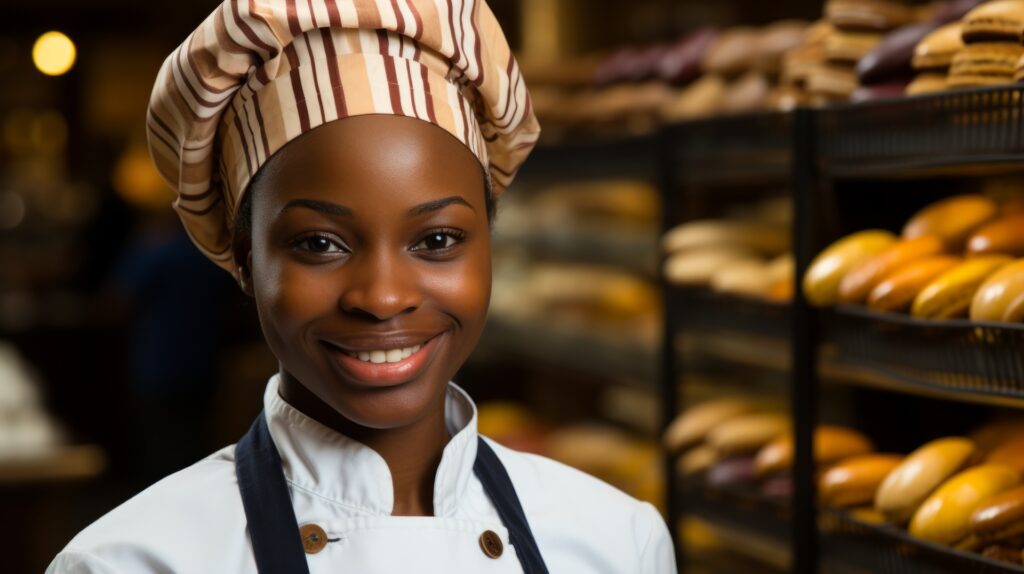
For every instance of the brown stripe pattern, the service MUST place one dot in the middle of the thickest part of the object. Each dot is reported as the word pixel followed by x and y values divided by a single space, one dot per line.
pixel 258 73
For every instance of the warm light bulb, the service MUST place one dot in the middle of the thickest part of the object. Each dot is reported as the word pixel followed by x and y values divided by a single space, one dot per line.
pixel 53 53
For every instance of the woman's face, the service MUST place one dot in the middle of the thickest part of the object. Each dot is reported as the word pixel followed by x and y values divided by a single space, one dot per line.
pixel 370 264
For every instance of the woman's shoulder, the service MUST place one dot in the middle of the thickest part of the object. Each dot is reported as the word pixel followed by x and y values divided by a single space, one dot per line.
pixel 168 521
pixel 573 509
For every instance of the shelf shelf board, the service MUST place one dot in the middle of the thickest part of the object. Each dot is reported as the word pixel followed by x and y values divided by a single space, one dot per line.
pixel 974 131
pixel 958 358
pixel 886 549
pixel 758 526
pixel 743 149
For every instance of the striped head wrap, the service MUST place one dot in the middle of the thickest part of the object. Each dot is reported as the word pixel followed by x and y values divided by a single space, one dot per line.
pixel 258 73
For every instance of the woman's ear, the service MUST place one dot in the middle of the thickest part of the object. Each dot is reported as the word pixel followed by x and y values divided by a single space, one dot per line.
pixel 242 252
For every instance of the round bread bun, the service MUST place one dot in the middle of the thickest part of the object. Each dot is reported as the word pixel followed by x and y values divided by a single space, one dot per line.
pixel 821 283
pixel 693 425
pixel 920 473
pixel 945 517
pixel 854 481
pixel 952 219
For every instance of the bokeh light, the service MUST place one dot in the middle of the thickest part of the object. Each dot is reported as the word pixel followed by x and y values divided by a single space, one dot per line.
pixel 53 53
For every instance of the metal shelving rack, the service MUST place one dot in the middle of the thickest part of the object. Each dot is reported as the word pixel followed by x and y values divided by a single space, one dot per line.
pixel 704 162
pixel 963 135
pixel 859 148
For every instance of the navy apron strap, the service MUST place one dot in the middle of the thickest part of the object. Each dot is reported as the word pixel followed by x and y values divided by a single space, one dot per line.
pixel 276 542
pixel 499 489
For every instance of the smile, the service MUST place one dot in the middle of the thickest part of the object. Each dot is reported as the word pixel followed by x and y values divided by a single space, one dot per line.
pixel 385 356
pixel 385 367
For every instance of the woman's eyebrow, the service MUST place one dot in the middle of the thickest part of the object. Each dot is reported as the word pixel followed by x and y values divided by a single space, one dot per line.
pixel 438 204
pixel 319 206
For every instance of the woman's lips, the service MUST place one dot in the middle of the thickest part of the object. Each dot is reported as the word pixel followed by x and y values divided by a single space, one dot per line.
pixel 385 373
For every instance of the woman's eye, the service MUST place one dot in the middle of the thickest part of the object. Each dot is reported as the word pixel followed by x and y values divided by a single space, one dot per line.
pixel 437 241
pixel 319 244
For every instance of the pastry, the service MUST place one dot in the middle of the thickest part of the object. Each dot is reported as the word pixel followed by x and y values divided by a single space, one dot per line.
pixel 935 51
pixel 730 54
pixel 1001 296
pixel 696 461
pixel 854 481
pixel 1001 518
pixel 849 47
pixel 831 444
pixel 879 15
pixel 749 92
pixel 953 219
pixel 767 239
pixel 999 21
pixel 748 277
pixel 861 279
pixel 927 83
pixel 690 427
pixel 832 82
pixel 747 433
pixel 700 99
pixel 920 473
pixel 896 291
pixel 950 294
pixel 821 283
pixel 945 517
pixel 1002 236
pixel 775 40
pixel 984 64
pixel 697 266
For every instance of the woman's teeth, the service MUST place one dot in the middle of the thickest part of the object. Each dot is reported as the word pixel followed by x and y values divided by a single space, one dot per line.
pixel 388 356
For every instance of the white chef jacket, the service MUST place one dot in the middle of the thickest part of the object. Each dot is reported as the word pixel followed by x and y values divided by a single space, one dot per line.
pixel 193 520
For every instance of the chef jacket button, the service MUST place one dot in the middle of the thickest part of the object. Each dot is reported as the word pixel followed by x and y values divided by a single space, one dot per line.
pixel 491 544
pixel 313 538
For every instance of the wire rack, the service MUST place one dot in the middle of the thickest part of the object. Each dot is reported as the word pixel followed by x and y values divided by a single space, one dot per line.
pixel 955 356
pixel 904 135
pixel 886 549
pixel 740 149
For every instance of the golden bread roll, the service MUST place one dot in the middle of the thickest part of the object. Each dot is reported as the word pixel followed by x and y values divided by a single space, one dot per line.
pixel 781 268
pixel 691 426
pixel 927 83
pixel 696 266
pixel 945 517
pixel 765 239
pixel 747 433
pixel 862 278
pixel 995 433
pixel 1009 453
pixel 854 481
pixel 935 51
pixel 952 219
pixel 821 283
pixel 897 291
pixel 831 444
pixel 697 461
pixel 950 294
pixel 996 20
pixel 1001 296
pixel 1001 518
pixel 1003 236
pixel 743 277
pixel 920 473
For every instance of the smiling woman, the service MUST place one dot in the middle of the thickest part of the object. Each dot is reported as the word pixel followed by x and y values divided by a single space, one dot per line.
pixel 366 246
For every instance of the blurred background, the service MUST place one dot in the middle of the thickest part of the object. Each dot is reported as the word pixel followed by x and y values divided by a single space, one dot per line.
pixel 105 386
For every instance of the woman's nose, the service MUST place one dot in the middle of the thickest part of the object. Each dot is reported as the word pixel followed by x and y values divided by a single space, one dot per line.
pixel 381 286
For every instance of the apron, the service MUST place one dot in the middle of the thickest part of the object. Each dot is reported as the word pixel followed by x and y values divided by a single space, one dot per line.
pixel 274 529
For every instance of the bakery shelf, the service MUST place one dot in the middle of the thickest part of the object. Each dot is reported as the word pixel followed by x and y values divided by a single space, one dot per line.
pixel 977 130
pixel 622 361
pixel 751 148
pixel 963 359
pixel 634 157
pixel 761 524
pixel 700 309
pixel 887 549
pixel 632 249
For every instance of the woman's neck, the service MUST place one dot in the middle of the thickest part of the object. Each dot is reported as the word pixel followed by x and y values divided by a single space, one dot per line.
pixel 412 452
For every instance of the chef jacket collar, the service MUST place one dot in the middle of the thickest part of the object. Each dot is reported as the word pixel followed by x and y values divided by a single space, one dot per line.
pixel 331 465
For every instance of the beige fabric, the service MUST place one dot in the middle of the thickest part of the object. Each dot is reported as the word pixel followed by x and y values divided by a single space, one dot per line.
pixel 258 73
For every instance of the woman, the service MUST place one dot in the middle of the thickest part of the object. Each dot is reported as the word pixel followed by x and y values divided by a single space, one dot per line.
pixel 365 244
